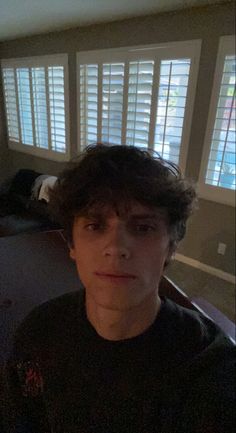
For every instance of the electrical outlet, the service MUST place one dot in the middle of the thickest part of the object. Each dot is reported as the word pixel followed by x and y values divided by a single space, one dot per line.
pixel 221 248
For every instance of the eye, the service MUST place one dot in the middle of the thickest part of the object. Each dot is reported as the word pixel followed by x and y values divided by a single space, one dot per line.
pixel 92 227
pixel 144 228
pixel 95 226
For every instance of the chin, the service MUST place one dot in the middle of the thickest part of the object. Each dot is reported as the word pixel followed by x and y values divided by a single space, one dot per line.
pixel 116 306
pixel 117 303
pixel 118 298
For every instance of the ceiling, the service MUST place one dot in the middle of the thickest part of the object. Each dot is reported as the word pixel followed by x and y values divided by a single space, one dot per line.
pixel 20 18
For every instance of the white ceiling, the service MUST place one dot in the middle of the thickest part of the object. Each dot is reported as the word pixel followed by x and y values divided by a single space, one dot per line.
pixel 27 17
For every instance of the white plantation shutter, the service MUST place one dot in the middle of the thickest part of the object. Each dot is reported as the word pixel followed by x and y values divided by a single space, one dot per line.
pixel 138 96
pixel 221 168
pixel 88 103
pixel 139 102
pixel 57 108
pixel 172 95
pixel 110 119
pixel 112 102
pixel 9 84
pixel 35 100
pixel 218 168
pixel 40 106
pixel 25 109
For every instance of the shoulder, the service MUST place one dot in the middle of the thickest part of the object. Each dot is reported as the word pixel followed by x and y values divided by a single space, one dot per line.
pixel 191 324
pixel 41 341
pixel 49 319
pixel 63 303
pixel 195 338
pixel 204 363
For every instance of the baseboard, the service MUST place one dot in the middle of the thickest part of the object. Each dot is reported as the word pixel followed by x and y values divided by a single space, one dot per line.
pixel 206 268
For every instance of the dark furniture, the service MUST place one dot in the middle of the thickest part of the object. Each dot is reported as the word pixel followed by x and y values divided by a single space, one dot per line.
pixel 33 268
pixel 18 211
pixel 212 312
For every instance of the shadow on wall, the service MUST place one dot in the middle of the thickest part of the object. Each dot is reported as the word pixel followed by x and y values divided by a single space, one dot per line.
pixel 209 252
pixel 4 164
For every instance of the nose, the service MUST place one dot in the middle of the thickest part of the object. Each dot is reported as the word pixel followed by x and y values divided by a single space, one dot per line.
pixel 117 244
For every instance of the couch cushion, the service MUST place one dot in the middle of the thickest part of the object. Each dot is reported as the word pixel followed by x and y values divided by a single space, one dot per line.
pixel 23 182
pixel 14 224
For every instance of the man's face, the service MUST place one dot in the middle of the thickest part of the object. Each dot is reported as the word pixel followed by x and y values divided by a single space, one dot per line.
pixel 120 259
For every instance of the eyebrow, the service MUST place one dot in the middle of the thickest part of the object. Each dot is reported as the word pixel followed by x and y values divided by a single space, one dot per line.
pixel 145 216
pixel 95 215
pixel 135 217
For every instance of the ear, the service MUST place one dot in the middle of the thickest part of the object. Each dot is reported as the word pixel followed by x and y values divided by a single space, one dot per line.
pixel 170 255
pixel 72 252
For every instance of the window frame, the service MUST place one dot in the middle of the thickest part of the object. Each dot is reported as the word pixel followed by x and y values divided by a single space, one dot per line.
pixel 163 51
pixel 32 62
pixel 207 191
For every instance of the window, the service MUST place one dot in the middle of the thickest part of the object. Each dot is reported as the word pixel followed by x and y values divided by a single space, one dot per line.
pixel 140 96
pixel 218 169
pixel 36 103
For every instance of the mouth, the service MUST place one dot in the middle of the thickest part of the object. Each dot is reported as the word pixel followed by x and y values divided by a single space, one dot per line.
pixel 115 276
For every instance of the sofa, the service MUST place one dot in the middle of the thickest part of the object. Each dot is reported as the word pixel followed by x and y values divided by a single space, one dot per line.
pixel 20 210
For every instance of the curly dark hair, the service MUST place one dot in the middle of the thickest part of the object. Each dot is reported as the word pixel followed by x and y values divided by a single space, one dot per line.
pixel 116 176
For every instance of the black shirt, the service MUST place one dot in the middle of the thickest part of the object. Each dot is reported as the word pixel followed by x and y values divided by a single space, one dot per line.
pixel 63 377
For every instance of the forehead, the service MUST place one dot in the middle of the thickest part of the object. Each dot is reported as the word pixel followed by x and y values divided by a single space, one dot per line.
pixel 125 211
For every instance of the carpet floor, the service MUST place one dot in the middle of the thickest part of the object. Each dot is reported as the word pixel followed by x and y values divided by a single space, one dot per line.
pixel 196 283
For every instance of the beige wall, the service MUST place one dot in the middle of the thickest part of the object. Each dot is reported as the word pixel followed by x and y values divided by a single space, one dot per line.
pixel 213 222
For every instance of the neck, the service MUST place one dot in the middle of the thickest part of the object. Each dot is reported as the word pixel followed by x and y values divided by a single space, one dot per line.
pixel 117 325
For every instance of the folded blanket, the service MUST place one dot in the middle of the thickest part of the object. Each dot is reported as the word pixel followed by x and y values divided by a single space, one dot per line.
pixel 37 185
pixel 47 183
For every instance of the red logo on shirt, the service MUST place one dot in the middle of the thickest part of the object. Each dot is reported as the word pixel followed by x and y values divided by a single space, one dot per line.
pixel 31 378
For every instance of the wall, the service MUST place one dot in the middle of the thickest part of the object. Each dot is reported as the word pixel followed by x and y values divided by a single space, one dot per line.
pixel 207 24
pixel 212 223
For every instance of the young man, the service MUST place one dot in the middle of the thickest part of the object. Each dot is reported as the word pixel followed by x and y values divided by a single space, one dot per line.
pixel 115 357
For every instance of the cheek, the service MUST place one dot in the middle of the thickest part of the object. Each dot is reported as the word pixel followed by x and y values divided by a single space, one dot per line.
pixel 81 256
pixel 155 258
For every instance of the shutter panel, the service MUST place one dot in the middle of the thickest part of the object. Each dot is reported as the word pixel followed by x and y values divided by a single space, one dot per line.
pixel 135 97
pixel 36 102
pixel 11 103
pixel 57 107
pixel 112 102
pixel 139 102
pixel 40 107
pixel 88 104
pixel 172 94
pixel 221 169
pixel 25 109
